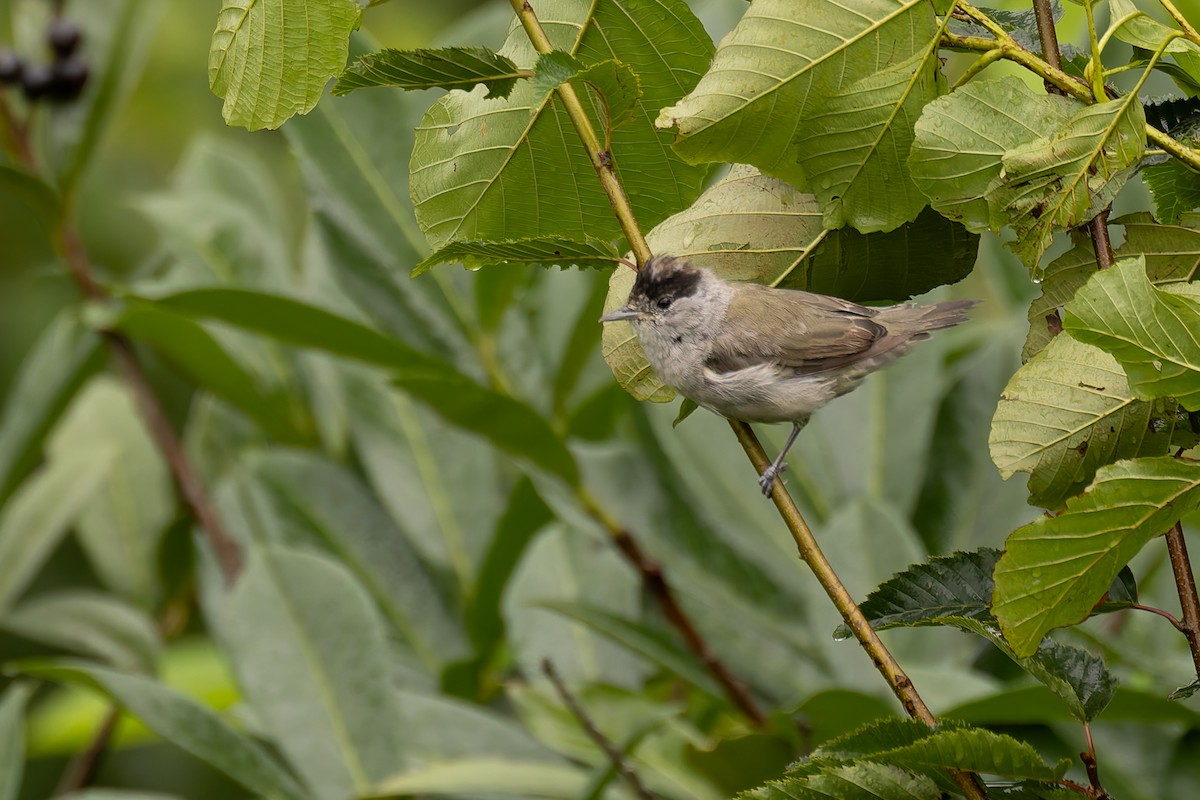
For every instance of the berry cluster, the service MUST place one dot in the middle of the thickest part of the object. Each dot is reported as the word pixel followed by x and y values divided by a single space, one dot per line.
pixel 59 81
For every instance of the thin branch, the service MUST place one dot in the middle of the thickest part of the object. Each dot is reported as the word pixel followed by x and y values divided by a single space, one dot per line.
pixel 615 756
pixel 1168 616
pixel 1181 20
pixel 1185 583
pixel 811 552
pixel 657 586
pixel 1048 36
pixel 187 479
pixel 600 157
pixel 82 768
pixel 1101 243
pixel 1095 68
pixel 18 133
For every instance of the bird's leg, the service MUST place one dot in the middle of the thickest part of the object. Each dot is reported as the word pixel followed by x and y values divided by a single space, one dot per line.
pixel 777 466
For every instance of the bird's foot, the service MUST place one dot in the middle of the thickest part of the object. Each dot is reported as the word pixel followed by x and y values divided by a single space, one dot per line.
pixel 767 480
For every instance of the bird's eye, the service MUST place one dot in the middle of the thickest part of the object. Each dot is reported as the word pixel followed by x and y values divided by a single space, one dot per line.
pixel 664 302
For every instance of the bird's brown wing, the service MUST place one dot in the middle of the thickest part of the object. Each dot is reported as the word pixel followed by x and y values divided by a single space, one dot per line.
pixel 809 332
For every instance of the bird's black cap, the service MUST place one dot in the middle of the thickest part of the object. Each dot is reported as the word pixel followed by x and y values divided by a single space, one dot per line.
pixel 666 276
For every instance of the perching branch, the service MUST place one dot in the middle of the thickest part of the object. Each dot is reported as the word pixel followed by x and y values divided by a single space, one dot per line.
pixel 602 161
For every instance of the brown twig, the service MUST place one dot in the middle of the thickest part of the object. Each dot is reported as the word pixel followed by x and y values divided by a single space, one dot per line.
pixel 656 585
pixel 186 478
pixel 615 756
pixel 1088 757
pixel 82 768
pixel 1044 15
pixel 1101 243
pixel 1185 583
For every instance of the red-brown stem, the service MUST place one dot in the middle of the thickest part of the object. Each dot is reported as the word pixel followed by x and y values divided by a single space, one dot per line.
pixel 187 479
pixel 618 761
pixel 658 588
pixel 82 768
pixel 1101 243
pixel 1185 583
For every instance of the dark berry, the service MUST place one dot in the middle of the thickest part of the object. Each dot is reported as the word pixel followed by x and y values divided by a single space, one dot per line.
pixel 67 78
pixel 36 81
pixel 10 67
pixel 64 37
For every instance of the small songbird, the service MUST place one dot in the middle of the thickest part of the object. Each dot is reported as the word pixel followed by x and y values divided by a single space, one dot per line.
pixel 757 354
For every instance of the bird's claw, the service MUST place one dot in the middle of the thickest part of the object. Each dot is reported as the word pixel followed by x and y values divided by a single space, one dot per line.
pixel 767 480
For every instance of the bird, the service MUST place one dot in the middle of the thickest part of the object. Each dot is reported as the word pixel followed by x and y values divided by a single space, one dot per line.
pixel 759 354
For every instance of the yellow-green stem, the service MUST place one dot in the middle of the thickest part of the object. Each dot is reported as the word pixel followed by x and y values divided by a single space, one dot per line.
pixel 1181 21
pixel 1072 86
pixel 1096 65
pixel 810 551
pixel 601 159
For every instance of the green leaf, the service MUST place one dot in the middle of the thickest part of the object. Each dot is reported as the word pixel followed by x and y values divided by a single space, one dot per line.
pixel 525 515
pixel 354 153
pixel 686 407
pixel 310 654
pixel 31 195
pixel 1062 180
pixel 38 513
pixel 864 780
pixel 296 323
pixel 1172 254
pixel 12 739
pixel 752 227
pixel 118 794
pixel 1152 332
pixel 1146 33
pixel 56 366
pixel 956 590
pixel 509 424
pixel 1056 569
pixel 181 721
pixel 830 93
pixel 1068 412
pixel 961 138
pixel 301 500
pixel 473 156
pixel 271 59
pixel 443 68
pixel 549 251
pixel 616 82
pixel 204 361
pixel 952 745
pixel 417 464
pixel 641 640
pixel 121 526
pixel 1175 189
pixel 503 777
pixel 89 623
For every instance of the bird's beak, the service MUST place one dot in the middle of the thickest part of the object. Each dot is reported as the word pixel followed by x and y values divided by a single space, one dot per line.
pixel 619 314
